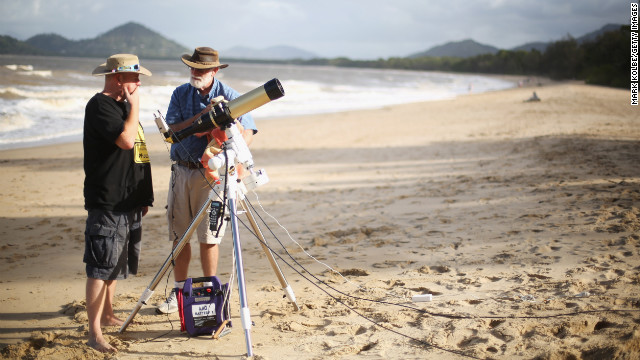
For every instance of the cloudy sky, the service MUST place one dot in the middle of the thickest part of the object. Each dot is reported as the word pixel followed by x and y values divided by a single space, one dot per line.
pixel 358 29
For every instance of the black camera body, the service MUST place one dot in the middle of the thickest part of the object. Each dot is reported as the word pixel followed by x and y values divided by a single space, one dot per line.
pixel 218 117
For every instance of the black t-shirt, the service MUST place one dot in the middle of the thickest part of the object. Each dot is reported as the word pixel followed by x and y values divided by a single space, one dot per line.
pixel 115 179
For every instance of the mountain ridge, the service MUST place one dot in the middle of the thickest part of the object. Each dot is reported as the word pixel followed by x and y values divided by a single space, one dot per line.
pixel 469 48
pixel 130 37
pixel 464 48
pixel 134 38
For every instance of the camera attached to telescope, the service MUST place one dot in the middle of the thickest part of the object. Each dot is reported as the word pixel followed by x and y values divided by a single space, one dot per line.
pixel 223 114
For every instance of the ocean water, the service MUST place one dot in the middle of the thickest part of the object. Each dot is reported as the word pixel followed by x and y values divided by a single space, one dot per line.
pixel 42 99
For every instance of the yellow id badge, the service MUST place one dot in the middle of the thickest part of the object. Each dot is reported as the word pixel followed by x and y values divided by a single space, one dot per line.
pixel 140 153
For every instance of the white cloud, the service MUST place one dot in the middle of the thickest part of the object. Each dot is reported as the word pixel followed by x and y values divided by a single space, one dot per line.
pixel 356 28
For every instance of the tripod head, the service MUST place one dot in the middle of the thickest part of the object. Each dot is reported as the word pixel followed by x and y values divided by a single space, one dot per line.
pixel 236 148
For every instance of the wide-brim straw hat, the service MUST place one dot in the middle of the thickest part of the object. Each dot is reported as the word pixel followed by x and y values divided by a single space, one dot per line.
pixel 121 63
pixel 203 58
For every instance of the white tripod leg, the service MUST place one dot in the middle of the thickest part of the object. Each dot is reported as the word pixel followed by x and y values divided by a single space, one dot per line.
pixel 274 265
pixel 184 240
pixel 245 315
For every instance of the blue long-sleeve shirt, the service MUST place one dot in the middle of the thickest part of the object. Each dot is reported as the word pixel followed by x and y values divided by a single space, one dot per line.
pixel 185 102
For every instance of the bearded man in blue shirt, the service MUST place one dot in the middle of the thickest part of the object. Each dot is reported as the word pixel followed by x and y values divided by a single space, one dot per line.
pixel 189 188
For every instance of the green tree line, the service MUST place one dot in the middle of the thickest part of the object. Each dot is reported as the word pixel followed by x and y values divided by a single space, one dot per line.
pixel 604 61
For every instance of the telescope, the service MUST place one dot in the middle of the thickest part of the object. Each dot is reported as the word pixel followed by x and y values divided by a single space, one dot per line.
pixel 223 114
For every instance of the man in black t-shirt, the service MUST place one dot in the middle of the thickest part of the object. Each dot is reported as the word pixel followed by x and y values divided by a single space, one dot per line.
pixel 117 189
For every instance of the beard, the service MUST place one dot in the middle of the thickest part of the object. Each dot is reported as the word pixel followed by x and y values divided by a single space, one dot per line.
pixel 201 82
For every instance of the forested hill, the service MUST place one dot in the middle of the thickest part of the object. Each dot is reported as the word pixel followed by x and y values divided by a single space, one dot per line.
pixel 128 38
pixel 600 60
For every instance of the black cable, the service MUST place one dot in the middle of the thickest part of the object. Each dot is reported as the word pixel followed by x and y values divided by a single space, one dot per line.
pixel 425 343
pixel 335 298
pixel 224 194
pixel 450 316
pixel 168 318
pixel 423 311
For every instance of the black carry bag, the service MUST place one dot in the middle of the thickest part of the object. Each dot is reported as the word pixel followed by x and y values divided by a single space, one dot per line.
pixel 204 310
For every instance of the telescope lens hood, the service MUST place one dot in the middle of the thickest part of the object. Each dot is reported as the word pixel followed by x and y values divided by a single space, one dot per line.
pixel 274 89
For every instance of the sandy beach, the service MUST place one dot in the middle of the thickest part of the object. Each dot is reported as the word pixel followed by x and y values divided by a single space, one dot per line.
pixel 520 218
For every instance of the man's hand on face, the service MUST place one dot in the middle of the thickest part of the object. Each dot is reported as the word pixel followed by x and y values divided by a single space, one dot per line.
pixel 131 81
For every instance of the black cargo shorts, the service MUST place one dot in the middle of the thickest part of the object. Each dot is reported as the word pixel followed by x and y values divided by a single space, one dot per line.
pixel 112 242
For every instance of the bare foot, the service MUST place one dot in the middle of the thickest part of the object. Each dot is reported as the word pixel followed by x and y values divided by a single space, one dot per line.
pixel 111 321
pixel 101 345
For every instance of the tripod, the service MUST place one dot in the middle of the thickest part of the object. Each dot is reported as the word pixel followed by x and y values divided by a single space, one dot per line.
pixel 235 149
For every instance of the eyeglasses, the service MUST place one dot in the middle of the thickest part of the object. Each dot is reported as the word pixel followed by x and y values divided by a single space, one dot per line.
pixel 132 68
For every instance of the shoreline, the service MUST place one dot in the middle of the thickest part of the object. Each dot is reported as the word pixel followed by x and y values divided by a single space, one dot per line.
pixel 514 79
pixel 541 82
pixel 311 91
pixel 495 206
